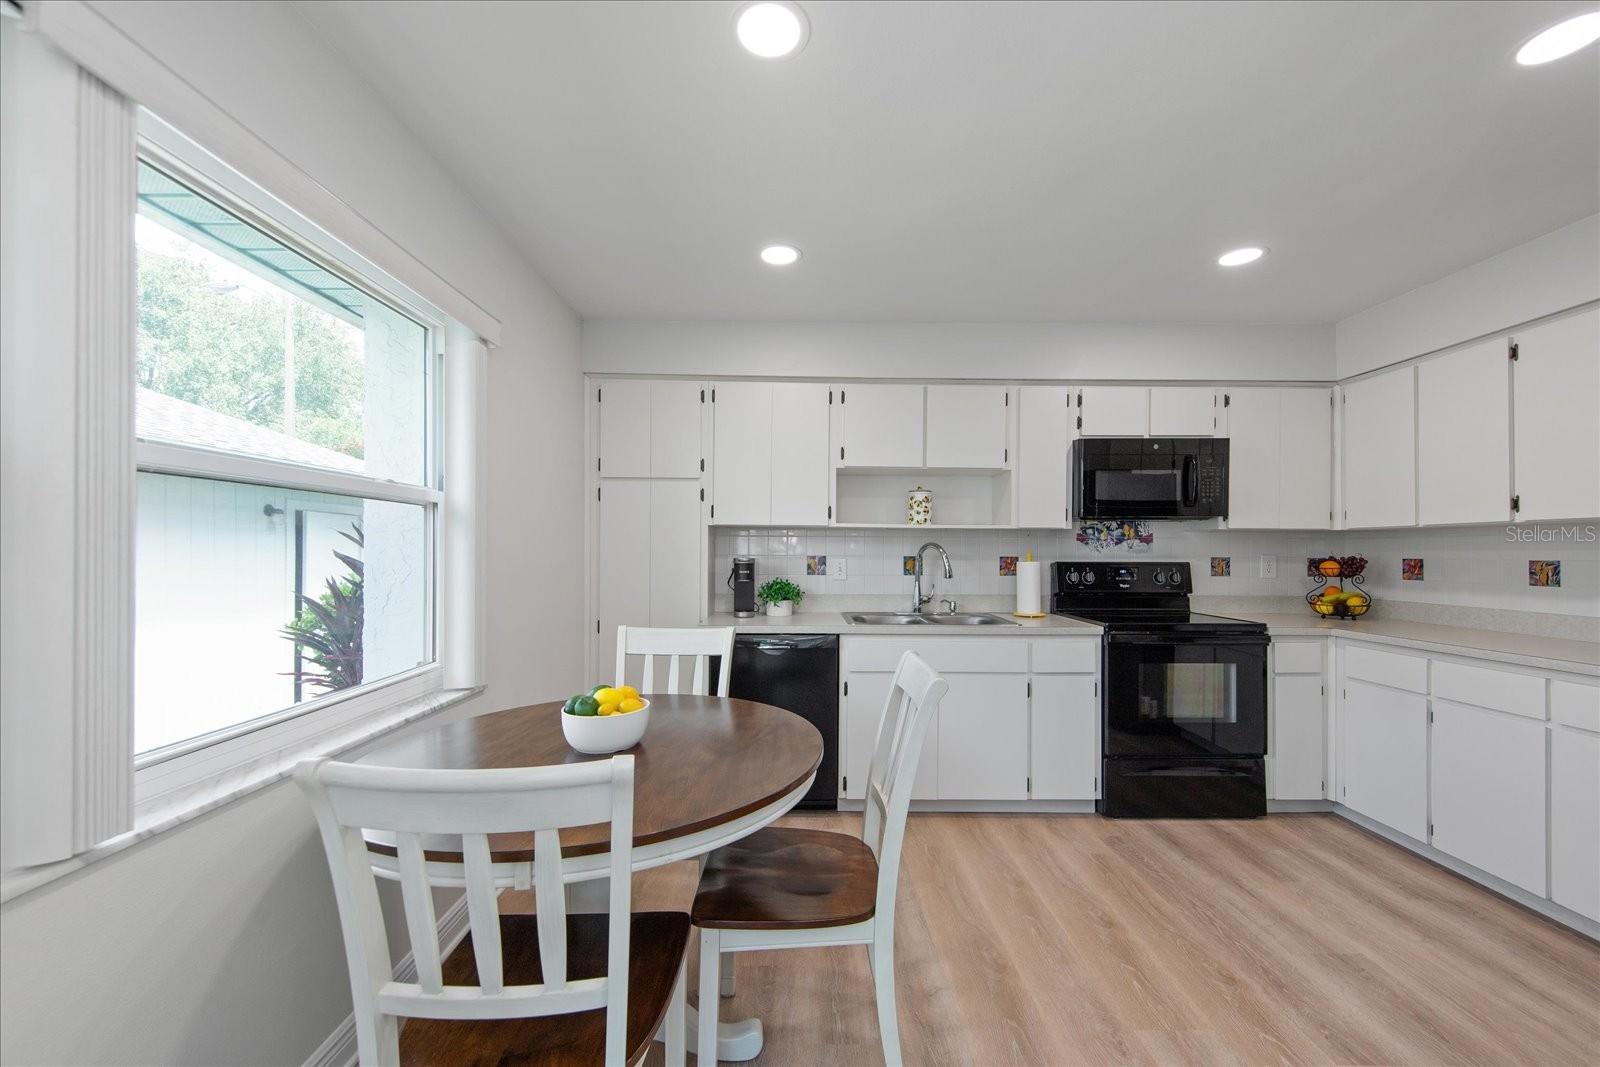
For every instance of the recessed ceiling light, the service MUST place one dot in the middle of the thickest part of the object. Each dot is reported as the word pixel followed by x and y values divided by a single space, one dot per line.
pixel 779 255
pixel 1562 39
pixel 772 29
pixel 1240 256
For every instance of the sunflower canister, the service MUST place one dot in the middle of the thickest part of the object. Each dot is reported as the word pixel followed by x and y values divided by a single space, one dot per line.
pixel 919 507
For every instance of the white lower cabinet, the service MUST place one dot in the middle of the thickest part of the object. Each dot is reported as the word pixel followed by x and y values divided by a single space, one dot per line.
pixel 983 738
pixel 1385 738
pixel 1575 820
pixel 864 698
pixel 1064 747
pixel 1297 739
pixel 1488 791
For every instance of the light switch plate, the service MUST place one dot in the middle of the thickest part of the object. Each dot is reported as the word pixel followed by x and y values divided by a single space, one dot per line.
pixel 1269 566
pixel 839 568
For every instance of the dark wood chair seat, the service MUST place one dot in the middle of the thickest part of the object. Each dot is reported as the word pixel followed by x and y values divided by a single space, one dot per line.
pixel 785 877
pixel 655 953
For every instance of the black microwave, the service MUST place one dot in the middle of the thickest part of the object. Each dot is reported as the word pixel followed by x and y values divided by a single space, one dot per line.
pixel 1150 477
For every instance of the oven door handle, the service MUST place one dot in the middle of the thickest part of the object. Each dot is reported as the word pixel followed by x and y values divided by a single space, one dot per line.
pixel 1202 771
pixel 1234 640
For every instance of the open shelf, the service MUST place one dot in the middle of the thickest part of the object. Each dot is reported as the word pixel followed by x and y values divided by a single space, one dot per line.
pixel 875 498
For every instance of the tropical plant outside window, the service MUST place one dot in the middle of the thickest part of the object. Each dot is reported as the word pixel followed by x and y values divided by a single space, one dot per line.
pixel 253 598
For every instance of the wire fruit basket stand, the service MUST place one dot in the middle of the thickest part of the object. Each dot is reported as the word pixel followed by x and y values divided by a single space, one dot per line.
pixel 1338 592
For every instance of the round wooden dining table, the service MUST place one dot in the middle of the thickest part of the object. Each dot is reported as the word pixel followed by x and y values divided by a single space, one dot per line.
pixel 709 771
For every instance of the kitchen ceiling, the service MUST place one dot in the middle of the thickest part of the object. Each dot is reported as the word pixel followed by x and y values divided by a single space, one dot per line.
pixel 994 161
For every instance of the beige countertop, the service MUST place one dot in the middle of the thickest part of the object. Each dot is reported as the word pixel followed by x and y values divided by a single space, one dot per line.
pixel 1551 653
pixel 833 622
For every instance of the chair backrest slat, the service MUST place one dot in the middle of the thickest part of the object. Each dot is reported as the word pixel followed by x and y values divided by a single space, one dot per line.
pixel 464 808
pixel 698 643
pixel 913 700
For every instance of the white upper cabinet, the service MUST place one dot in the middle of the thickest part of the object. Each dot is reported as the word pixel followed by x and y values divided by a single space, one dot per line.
pixel 770 454
pixel 1114 411
pixel 1380 456
pixel 800 465
pixel 741 453
pixel 649 429
pixel 674 429
pixel 1045 417
pixel 881 426
pixel 1184 411
pixel 1464 436
pixel 1280 458
pixel 967 426
pixel 1556 380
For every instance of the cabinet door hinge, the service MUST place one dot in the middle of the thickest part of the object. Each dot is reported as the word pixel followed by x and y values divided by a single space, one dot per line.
pixel 1227 398
pixel 841 396
pixel 1430 714
pixel 1430 830
pixel 702 496
pixel 845 788
pixel 830 511
pixel 1005 455
pixel 702 396
pixel 841 453
pixel 1030 687
pixel 1097 688
pixel 702 466
pixel 1344 791
pixel 1029 780
pixel 597 465
pixel 597 492
pixel 1324 785
pixel 830 397
pixel 1097 783
pixel 713 396
pixel 1516 503
pixel 597 626
pixel 597 394
pixel 846 688
pixel 1080 398
pixel 713 511
pixel 1008 398
pixel 1511 351
pixel 1080 422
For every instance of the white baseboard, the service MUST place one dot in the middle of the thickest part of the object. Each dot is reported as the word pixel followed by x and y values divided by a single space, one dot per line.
pixel 339 1048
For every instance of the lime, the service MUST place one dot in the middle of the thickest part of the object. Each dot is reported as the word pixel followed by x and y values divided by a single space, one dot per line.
pixel 572 702
pixel 586 706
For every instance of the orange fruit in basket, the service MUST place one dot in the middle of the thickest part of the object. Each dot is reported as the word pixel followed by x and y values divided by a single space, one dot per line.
pixel 1331 593
pixel 1329 568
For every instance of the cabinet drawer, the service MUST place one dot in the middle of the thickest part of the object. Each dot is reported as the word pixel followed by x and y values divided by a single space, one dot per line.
pixel 1386 668
pixel 946 655
pixel 1066 655
pixel 1485 687
pixel 1575 704
pixel 1297 657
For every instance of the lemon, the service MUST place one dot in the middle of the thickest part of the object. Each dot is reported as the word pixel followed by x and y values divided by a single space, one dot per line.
pixel 628 692
pixel 610 707
pixel 630 704
pixel 607 695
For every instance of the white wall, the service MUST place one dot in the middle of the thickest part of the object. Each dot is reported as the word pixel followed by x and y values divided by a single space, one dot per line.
pixel 218 942
pixel 959 350
pixel 1552 273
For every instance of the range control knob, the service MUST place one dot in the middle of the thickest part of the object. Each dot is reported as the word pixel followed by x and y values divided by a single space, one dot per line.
pixel 1161 577
pixel 1088 577
pixel 1072 578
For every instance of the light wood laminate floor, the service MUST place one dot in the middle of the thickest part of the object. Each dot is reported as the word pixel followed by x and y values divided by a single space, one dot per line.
pixel 1027 939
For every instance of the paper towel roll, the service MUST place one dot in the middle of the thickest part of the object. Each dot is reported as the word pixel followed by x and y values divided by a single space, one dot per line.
pixel 1028 587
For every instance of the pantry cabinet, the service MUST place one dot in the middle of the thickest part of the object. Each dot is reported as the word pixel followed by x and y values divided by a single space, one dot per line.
pixel 770 454
pixel 1464 436
pixel 1385 742
pixel 1064 750
pixel 881 425
pixel 968 425
pixel 1280 458
pixel 1488 791
pixel 649 428
pixel 1379 444
pixel 1045 429
pixel 1556 378
pixel 647 528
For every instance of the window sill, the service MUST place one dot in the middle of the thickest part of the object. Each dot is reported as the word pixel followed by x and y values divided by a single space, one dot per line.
pixel 181 806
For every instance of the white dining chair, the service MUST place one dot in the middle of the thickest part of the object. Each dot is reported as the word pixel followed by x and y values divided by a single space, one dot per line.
pixel 791 887
pixel 696 643
pixel 551 986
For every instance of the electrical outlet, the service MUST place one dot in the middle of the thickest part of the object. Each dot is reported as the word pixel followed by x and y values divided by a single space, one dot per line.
pixel 839 567
pixel 1269 566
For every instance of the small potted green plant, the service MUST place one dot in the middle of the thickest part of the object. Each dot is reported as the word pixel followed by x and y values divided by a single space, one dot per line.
pixel 780 595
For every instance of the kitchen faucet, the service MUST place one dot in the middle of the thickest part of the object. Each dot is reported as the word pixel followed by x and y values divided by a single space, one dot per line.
pixel 917 599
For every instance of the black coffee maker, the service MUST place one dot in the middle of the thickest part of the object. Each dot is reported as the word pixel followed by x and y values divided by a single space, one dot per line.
pixel 742 580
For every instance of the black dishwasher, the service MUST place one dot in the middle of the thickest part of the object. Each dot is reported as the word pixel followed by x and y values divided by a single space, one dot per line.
pixel 799 673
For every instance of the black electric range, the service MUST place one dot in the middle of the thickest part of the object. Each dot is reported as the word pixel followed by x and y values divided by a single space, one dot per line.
pixel 1184 694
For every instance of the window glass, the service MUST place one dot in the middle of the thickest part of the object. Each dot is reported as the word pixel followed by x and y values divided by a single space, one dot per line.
pixel 253 599
pixel 246 345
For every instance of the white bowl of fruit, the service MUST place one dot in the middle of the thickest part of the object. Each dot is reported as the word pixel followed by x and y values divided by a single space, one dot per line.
pixel 606 719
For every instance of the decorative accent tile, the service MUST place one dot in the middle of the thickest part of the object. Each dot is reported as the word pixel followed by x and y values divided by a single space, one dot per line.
pixel 1137 535
pixel 1411 570
pixel 1221 566
pixel 816 564
pixel 1544 572
pixel 908 564
pixel 1008 566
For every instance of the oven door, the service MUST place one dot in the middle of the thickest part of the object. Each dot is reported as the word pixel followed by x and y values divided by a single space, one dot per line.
pixel 1186 695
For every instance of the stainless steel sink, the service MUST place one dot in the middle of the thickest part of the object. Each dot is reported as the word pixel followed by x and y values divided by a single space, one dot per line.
pixel 899 618
pixel 884 618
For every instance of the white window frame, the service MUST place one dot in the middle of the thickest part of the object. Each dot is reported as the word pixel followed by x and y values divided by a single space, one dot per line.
pixel 173 771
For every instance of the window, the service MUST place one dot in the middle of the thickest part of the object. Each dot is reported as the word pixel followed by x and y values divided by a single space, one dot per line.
pixel 286 500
